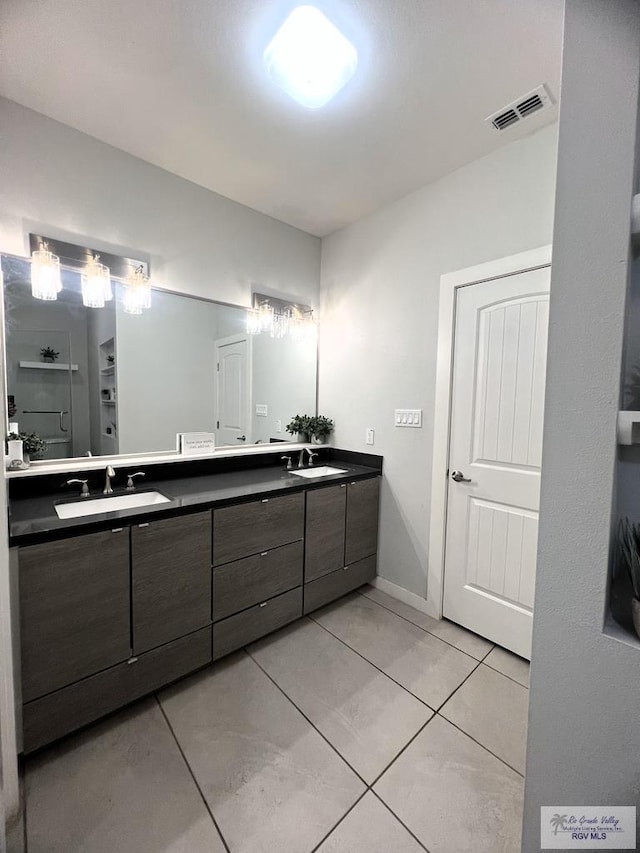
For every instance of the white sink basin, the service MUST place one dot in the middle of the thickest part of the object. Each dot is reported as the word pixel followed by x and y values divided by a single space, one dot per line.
pixel 320 471
pixel 110 503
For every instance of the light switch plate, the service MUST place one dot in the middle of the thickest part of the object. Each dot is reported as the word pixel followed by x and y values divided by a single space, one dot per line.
pixel 262 410
pixel 278 426
pixel 370 436
pixel 408 418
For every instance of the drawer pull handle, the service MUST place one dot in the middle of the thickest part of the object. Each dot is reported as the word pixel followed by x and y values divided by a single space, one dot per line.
pixel 343 485
pixel 265 500
pixel 146 524
pixel 264 553
pixel 117 529
pixel 264 604
pixel 132 660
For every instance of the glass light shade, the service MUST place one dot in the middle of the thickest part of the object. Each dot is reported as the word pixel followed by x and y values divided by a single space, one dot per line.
pixel 310 58
pixel 303 328
pixel 253 322
pixel 46 282
pixel 95 283
pixel 137 293
pixel 266 317
pixel 280 326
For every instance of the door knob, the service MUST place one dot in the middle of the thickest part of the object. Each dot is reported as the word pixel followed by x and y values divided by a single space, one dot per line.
pixel 459 477
pixel 241 438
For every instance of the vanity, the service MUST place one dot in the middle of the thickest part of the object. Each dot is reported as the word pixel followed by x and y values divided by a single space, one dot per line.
pixel 115 605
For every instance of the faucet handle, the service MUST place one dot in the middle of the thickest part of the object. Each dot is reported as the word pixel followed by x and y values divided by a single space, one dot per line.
pixel 83 483
pixel 312 456
pixel 289 465
pixel 130 478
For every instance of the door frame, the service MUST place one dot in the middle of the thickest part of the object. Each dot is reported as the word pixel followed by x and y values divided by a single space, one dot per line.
pixel 221 342
pixel 449 283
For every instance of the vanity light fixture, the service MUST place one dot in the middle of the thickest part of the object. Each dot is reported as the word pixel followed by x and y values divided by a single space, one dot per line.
pixel 279 318
pixel 137 292
pixel 96 283
pixel 46 282
pixel 310 58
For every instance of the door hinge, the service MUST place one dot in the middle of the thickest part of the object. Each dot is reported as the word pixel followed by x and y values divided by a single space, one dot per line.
pixel 218 367
pixel 217 424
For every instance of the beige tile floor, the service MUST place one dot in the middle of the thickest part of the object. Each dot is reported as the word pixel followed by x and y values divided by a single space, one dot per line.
pixel 366 728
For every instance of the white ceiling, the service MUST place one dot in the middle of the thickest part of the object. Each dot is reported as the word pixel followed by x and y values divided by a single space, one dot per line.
pixel 180 83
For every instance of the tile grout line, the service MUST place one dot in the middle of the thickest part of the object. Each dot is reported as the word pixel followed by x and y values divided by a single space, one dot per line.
pixel 300 711
pixel 356 652
pixel 499 671
pixel 401 822
pixel 368 786
pixel 426 630
pixel 192 774
pixel 486 748
pixel 483 659
pixel 333 828
pixel 435 714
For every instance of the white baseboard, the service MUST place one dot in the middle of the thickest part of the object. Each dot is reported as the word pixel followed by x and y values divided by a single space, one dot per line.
pixel 402 594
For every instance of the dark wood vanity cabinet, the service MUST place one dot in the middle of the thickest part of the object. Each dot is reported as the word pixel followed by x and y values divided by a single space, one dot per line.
pixel 74 609
pixel 361 540
pixel 109 617
pixel 170 579
pixel 325 531
pixel 249 528
pixel 257 569
pixel 341 538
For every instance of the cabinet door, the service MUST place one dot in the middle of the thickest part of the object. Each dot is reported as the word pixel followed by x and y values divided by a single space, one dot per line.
pixel 325 531
pixel 362 520
pixel 171 579
pixel 239 531
pixel 74 609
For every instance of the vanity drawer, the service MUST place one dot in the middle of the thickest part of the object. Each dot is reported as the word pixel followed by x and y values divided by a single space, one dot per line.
pixel 59 713
pixel 243 628
pixel 332 586
pixel 250 581
pixel 239 531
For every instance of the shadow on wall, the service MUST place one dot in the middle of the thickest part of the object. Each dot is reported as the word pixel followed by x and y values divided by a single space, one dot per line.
pixel 402 559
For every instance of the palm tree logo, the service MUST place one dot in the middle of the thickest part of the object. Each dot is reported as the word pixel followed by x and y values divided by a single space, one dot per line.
pixel 557 821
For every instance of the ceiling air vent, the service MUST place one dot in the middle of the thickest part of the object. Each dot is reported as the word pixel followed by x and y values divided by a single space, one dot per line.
pixel 533 102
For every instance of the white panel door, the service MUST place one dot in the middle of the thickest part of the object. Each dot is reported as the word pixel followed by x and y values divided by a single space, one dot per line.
pixel 233 390
pixel 495 450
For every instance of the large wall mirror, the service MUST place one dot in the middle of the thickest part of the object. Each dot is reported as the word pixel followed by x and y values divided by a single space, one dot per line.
pixel 122 383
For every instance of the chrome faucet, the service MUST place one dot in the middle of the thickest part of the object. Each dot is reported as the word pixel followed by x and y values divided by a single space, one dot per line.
pixel 312 456
pixel 301 459
pixel 131 477
pixel 288 460
pixel 83 483
pixel 108 474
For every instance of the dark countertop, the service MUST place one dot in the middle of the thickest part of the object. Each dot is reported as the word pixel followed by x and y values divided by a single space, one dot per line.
pixel 33 519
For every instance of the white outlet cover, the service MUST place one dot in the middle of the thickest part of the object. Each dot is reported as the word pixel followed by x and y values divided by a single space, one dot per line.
pixel 370 436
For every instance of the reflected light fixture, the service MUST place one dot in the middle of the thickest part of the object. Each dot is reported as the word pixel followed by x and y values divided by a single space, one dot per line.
pixel 96 283
pixel 46 282
pixel 279 318
pixel 137 292
pixel 310 58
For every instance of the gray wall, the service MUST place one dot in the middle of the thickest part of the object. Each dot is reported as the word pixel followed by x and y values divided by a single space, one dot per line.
pixel 379 319
pixel 584 739
pixel 63 183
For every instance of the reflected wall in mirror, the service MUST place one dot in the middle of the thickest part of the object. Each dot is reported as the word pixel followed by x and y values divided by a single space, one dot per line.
pixel 124 383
